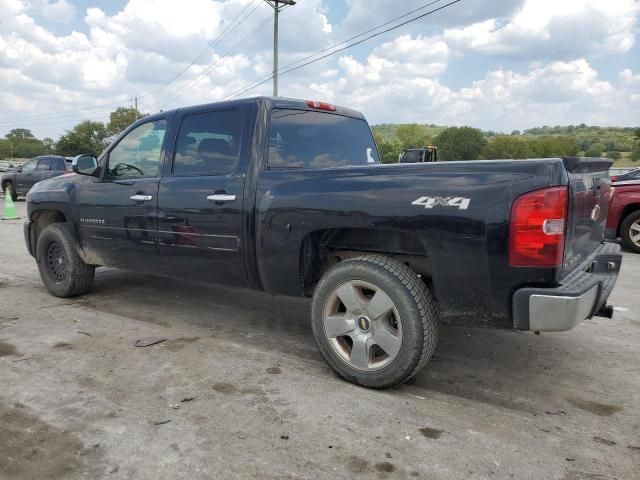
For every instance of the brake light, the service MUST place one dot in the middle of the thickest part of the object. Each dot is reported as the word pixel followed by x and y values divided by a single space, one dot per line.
pixel 537 228
pixel 321 105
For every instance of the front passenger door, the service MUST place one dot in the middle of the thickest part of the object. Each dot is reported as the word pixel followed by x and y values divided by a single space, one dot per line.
pixel 25 178
pixel 118 213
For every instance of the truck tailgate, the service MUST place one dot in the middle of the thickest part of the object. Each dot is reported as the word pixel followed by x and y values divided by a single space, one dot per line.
pixel 589 190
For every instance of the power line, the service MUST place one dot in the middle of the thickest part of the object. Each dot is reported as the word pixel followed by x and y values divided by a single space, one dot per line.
pixel 284 72
pixel 226 32
pixel 267 77
pixel 230 28
pixel 28 118
pixel 182 90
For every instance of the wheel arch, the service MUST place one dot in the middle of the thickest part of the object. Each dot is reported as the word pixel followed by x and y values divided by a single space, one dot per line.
pixel 321 249
pixel 41 219
pixel 626 211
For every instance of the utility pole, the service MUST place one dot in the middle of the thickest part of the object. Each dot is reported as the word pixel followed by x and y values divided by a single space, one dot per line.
pixel 275 4
pixel 136 106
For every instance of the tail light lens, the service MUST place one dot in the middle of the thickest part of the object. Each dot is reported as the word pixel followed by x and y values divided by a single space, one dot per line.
pixel 537 228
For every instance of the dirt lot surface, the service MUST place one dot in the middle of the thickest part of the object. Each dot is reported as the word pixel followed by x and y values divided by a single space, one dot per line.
pixel 238 390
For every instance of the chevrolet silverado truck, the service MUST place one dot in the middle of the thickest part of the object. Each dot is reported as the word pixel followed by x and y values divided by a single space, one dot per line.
pixel 623 220
pixel 289 197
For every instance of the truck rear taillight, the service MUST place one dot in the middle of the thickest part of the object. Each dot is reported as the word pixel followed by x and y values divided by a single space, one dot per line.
pixel 537 228
pixel 321 106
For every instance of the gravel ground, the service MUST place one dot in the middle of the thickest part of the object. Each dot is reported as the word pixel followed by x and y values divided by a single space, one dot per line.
pixel 238 390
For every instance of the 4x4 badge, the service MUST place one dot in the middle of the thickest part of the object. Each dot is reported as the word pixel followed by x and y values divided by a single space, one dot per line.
pixel 461 203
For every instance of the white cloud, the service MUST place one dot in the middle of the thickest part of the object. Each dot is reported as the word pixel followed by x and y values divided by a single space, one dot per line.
pixel 363 15
pixel 405 76
pixel 60 11
pixel 553 29
pixel 548 93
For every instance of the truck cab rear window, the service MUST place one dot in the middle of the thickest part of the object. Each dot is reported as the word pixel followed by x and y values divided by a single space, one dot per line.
pixel 308 139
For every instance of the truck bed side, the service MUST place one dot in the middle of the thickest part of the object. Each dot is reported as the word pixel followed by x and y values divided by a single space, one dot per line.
pixel 306 216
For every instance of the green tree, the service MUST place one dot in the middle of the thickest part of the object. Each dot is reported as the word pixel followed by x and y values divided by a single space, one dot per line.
pixel 121 118
pixel 460 143
pixel 595 150
pixel 20 133
pixel 635 155
pixel 412 135
pixel 21 143
pixel 553 146
pixel 48 144
pixel 86 137
pixel 389 150
pixel 504 146
pixel 613 155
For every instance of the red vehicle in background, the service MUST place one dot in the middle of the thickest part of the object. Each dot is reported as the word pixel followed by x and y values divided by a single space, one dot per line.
pixel 623 220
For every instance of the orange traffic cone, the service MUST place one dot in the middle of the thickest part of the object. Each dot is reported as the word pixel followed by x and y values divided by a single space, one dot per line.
pixel 9 208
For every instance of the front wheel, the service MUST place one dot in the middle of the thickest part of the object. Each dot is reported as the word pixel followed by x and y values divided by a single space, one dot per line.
pixel 630 231
pixel 374 320
pixel 61 269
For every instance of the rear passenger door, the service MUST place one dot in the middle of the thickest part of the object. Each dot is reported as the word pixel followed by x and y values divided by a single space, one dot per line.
pixel 200 199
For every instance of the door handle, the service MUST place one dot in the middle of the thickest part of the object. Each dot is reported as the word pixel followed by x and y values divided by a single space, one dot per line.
pixel 221 197
pixel 141 198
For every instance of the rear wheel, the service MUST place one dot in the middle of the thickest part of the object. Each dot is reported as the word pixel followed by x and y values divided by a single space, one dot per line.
pixel 374 320
pixel 630 231
pixel 9 189
pixel 61 269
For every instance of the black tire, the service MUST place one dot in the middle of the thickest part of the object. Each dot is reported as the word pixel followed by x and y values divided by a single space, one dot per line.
pixel 61 269
pixel 631 220
pixel 411 299
pixel 9 189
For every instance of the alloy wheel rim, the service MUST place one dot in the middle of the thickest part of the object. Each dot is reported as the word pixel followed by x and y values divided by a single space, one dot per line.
pixel 56 262
pixel 363 325
pixel 634 233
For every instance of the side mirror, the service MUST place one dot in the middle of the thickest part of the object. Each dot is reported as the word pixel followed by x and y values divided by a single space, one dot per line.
pixel 19 169
pixel 84 165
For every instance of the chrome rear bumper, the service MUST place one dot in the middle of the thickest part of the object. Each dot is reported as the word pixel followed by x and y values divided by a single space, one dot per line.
pixel 582 295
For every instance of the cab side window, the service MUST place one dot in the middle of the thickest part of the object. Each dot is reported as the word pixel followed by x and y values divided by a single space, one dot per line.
pixel 30 166
pixel 208 143
pixel 138 154
pixel 44 164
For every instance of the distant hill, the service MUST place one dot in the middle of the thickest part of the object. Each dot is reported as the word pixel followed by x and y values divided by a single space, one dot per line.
pixel 616 142
pixel 620 139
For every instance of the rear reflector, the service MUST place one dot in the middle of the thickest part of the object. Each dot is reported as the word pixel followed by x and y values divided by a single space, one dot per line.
pixel 321 106
pixel 537 228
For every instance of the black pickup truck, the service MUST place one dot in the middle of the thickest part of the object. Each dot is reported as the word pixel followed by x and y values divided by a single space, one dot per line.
pixel 289 197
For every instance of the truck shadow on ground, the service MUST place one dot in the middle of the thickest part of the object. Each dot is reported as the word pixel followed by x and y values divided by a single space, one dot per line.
pixel 474 364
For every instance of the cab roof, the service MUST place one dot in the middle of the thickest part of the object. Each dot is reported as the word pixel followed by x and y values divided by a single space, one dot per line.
pixel 272 102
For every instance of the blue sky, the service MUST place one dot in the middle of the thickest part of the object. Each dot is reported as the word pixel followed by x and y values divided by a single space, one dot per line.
pixel 500 65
